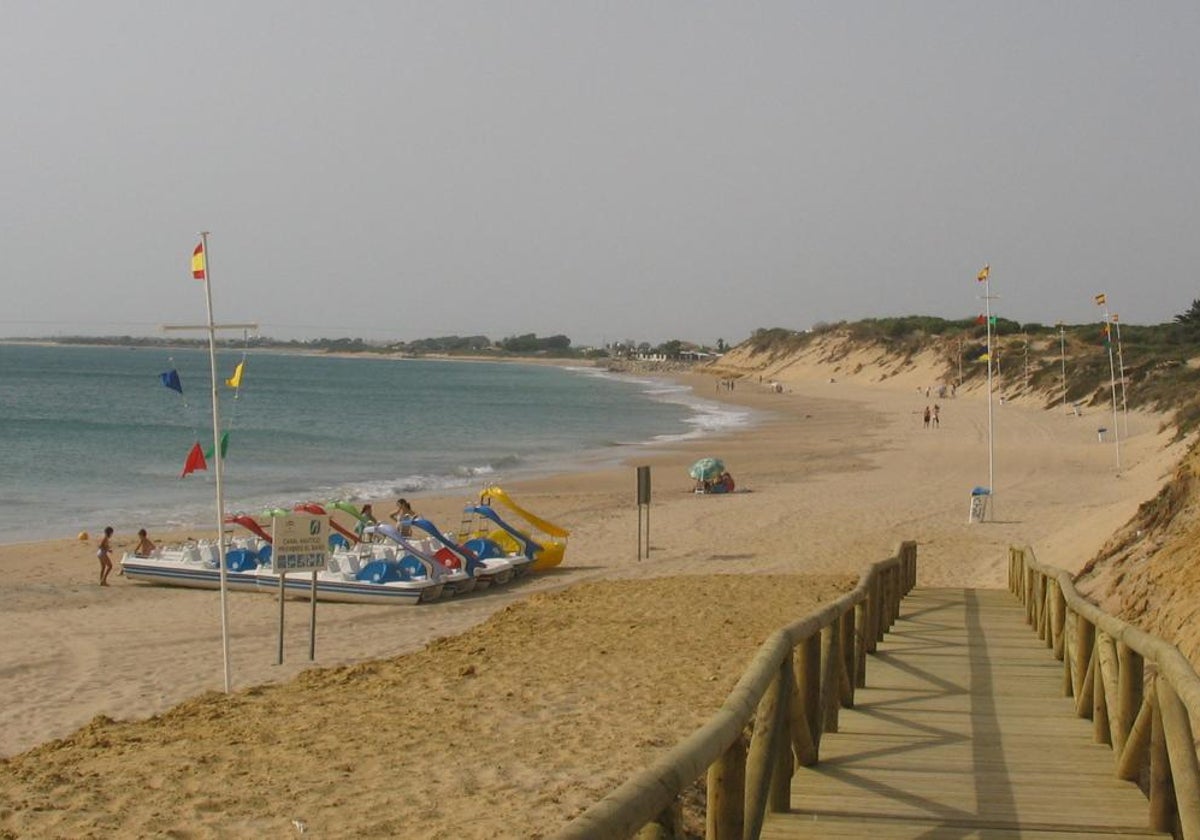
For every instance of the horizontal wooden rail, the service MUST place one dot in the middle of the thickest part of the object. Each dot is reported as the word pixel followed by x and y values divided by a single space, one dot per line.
pixel 1140 692
pixel 790 692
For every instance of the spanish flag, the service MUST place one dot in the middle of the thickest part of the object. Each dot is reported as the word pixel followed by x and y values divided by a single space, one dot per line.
pixel 199 264
pixel 1101 299
pixel 983 273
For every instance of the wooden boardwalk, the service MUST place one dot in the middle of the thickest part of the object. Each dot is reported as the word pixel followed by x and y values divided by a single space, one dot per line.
pixel 962 732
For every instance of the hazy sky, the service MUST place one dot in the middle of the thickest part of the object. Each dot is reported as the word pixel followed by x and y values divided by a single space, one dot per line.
pixel 646 170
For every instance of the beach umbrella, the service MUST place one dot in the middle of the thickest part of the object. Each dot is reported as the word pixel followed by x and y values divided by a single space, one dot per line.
pixel 706 469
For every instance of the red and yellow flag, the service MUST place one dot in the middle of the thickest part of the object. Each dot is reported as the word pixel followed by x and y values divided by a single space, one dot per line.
pixel 199 264
pixel 983 273
pixel 1101 299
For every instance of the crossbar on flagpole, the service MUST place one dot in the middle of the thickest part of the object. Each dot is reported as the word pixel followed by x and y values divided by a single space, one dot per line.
pixel 212 328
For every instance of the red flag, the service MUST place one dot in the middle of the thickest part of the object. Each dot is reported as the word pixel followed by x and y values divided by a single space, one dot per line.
pixel 195 461
pixel 979 319
pixel 199 265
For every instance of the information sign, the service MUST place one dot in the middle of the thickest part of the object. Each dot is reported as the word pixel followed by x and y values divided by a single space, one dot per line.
pixel 300 543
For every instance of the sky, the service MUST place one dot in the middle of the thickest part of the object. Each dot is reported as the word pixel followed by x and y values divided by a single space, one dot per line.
pixel 603 170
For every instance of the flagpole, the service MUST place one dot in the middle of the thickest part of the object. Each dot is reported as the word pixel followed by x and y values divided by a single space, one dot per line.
pixel 216 420
pixel 1112 378
pixel 987 309
pixel 1121 365
pixel 211 328
pixel 1062 357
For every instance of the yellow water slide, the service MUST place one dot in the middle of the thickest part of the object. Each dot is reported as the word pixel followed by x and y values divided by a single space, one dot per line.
pixel 549 536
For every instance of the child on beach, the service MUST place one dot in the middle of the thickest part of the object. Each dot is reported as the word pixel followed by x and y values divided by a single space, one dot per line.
pixel 103 552
pixel 144 547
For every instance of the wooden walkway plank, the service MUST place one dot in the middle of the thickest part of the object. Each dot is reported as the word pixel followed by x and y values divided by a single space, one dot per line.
pixel 962 732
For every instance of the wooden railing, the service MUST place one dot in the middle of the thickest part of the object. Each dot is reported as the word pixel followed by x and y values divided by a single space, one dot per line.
pixel 791 692
pixel 1140 692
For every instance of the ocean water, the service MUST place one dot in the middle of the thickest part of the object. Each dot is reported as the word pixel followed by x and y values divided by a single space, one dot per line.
pixel 89 436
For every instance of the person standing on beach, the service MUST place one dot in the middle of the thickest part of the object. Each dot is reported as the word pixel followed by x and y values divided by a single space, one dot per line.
pixel 927 415
pixel 103 553
pixel 937 415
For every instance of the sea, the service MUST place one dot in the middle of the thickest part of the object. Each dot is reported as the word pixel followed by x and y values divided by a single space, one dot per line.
pixel 90 436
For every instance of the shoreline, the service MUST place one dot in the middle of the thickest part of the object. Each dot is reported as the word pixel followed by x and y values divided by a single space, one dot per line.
pixel 136 507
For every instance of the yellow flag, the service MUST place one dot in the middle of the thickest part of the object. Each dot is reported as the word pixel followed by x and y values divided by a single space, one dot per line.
pixel 235 381
pixel 1101 299
pixel 983 273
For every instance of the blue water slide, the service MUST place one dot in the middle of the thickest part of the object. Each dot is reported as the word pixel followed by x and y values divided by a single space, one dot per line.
pixel 528 546
pixel 413 553
pixel 468 559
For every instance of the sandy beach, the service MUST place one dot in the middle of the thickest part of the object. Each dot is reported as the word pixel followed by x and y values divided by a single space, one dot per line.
pixel 563 683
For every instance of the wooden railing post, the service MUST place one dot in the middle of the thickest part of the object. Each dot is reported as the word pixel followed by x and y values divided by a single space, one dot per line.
pixel 1162 788
pixel 808 674
pixel 1081 656
pixel 874 611
pixel 761 759
pixel 862 620
pixel 1100 730
pixel 1181 752
pixel 1130 670
pixel 1060 621
pixel 800 725
pixel 831 666
pixel 1136 754
pixel 726 782
pixel 780 800
pixel 845 626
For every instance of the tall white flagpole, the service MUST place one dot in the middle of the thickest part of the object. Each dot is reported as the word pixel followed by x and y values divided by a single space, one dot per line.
pixel 987 309
pixel 1102 299
pixel 212 328
pixel 216 420
pixel 1121 366
pixel 1062 358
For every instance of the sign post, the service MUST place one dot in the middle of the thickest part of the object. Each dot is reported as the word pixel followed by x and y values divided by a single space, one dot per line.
pixel 643 499
pixel 300 544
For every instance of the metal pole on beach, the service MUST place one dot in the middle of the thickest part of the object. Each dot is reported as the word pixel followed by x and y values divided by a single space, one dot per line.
pixel 204 272
pixel 216 421
pixel 1062 358
pixel 985 276
pixel 1102 300
pixel 1121 365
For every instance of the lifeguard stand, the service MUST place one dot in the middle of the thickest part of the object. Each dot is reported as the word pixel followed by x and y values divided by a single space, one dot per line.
pixel 980 496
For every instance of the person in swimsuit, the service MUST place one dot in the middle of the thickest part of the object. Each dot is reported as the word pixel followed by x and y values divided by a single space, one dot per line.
pixel 103 553
pixel 402 512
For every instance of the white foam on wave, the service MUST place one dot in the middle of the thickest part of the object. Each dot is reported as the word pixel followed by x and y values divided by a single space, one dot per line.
pixel 708 416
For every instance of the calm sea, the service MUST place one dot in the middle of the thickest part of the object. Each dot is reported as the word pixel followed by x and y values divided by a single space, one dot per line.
pixel 90 436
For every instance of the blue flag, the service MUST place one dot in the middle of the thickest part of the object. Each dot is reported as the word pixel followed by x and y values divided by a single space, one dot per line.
pixel 171 380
